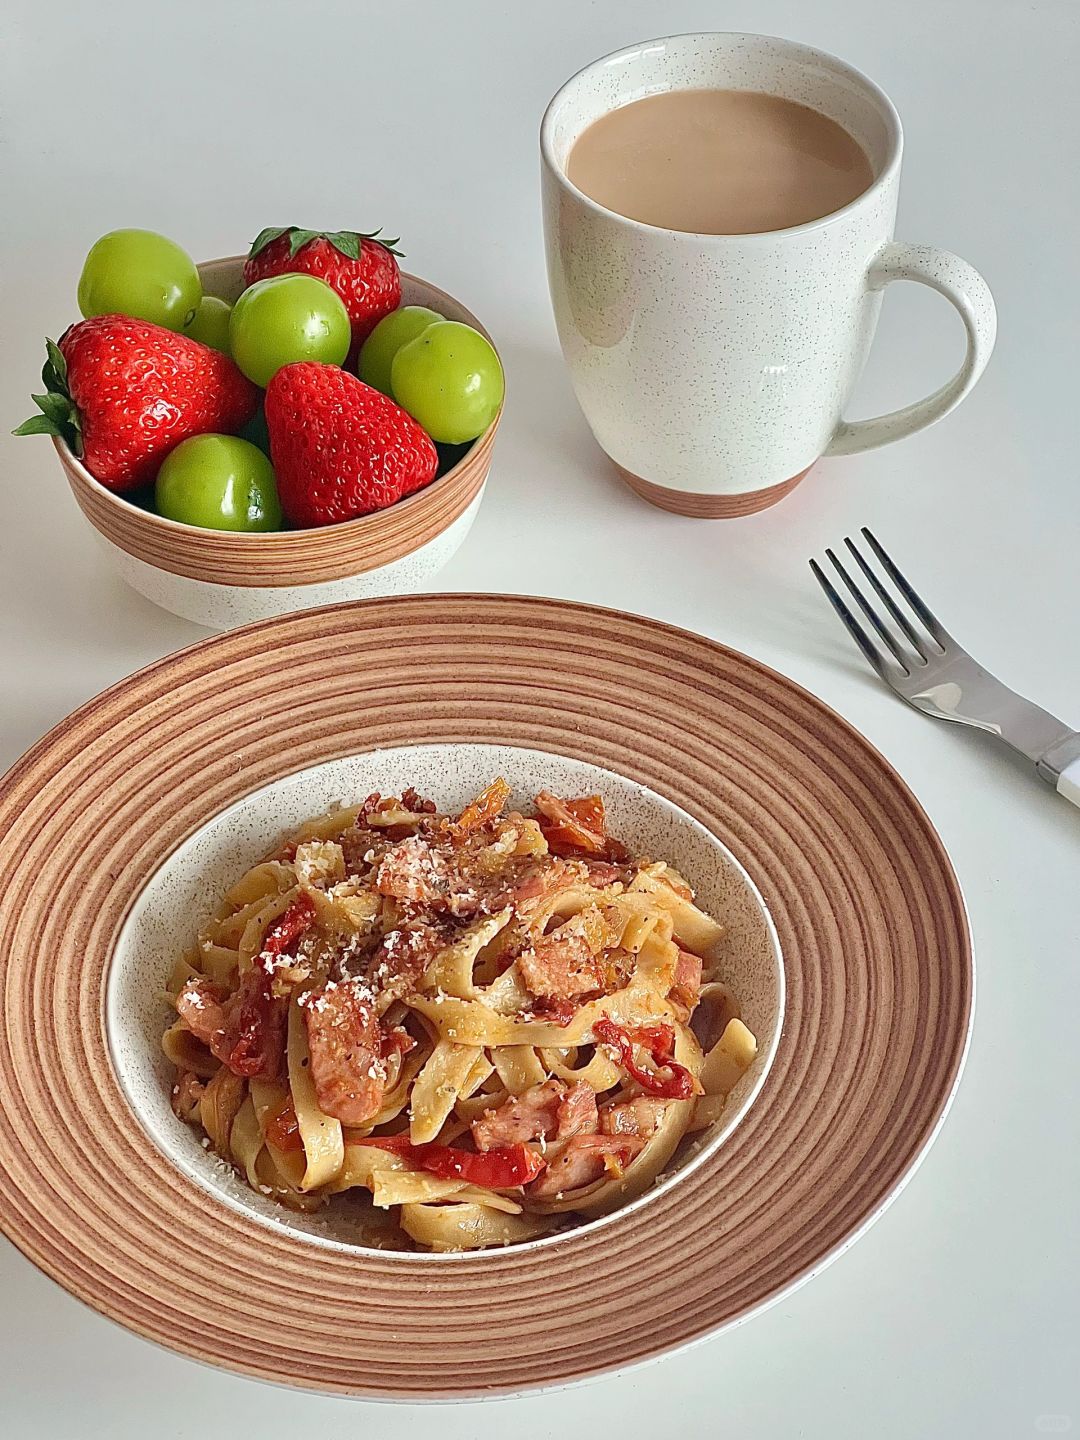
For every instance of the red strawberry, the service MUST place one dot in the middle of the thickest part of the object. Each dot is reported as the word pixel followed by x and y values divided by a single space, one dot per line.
pixel 341 449
pixel 361 269
pixel 123 393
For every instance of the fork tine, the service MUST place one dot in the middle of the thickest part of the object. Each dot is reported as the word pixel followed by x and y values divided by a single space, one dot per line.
pixel 854 629
pixel 914 599
pixel 917 641
pixel 884 633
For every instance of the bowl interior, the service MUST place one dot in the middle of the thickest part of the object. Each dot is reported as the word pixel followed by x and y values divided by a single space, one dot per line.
pixel 182 893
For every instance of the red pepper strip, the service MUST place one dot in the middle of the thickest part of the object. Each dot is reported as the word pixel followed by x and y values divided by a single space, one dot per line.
pixel 500 1169
pixel 671 1081
pixel 288 927
pixel 257 1029
pixel 283 1129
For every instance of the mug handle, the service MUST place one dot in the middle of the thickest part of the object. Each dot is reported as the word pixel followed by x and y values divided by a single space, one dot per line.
pixel 960 283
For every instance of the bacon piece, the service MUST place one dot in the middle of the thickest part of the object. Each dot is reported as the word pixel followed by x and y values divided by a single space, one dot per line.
pixel 201 1006
pixel 186 1094
pixel 346 1053
pixel 401 960
pixel 560 967
pixel 397 1041
pixel 541 879
pixel 639 1116
pixel 483 810
pixel 577 1114
pixel 369 806
pixel 532 1115
pixel 554 1012
pixel 416 804
pixel 601 873
pixel 245 1030
pixel 531 888
pixel 415 872
pixel 566 962
pixel 585 1159
pixel 546 1111
pixel 576 827
pixel 684 992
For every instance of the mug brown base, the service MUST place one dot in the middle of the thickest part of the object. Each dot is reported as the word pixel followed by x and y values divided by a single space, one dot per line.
pixel 710 507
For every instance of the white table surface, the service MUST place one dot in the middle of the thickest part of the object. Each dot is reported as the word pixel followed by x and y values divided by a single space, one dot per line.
pixel 957 1314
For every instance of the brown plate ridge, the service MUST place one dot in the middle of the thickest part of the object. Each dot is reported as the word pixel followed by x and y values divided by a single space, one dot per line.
pixel 869 913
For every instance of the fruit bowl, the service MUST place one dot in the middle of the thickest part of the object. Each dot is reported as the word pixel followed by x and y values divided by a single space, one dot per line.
pixel 224 578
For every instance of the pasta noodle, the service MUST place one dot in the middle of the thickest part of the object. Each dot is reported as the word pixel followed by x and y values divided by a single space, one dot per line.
pixel 488 1023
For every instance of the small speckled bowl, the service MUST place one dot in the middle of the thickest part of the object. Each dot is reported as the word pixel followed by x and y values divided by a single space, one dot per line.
pixel 184 892
pixel 221 579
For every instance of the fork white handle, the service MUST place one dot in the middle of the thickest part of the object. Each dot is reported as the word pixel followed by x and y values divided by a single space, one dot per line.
pixel 961 284
pixel 1069 781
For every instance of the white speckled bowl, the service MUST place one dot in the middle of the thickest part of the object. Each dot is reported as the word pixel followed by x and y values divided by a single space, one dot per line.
pixel 220 579
pixel 182 893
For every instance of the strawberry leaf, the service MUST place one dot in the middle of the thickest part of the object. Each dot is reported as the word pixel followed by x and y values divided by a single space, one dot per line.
pixel 375 235
pixel 59 414
pixel 54 371
pixel 56 407
pixel 39 425
pixel 267 237
pixel 299 238
pixel 347 241
pixel 57 361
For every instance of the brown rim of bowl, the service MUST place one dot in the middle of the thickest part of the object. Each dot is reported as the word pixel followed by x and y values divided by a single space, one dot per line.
pixel 292 557
pixel 868 911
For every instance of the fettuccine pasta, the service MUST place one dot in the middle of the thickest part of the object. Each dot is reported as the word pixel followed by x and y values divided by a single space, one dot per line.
pixel 490 1023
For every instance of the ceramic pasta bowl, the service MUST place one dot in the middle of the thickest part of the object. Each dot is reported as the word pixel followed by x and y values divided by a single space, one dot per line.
pixel 845 938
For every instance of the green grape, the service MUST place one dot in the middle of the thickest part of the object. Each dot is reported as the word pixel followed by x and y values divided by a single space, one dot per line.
pixel 287 318
pixel 211 323
pixel 449 380
pixel 390 334
pixel 218 482
pixel 138 273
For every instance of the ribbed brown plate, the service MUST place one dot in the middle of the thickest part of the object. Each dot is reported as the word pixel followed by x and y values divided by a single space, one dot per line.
pixel 868 910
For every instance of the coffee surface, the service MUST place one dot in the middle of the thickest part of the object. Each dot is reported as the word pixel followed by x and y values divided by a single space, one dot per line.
pixel 719 162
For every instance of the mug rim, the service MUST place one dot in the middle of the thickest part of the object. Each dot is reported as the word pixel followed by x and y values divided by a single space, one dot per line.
pixel 885 176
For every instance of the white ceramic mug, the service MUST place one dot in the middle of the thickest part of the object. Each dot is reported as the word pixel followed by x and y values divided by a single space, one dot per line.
pixel 714 369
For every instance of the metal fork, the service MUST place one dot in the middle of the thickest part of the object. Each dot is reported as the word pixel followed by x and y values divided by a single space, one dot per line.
pixel 918 657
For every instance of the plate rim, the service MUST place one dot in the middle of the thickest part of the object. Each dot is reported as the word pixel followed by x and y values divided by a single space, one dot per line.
pixel 842 727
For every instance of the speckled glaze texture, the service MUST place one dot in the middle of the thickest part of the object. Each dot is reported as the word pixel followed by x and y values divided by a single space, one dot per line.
pixel 192 571
pixel 878 983
pixel 713 366
pixel 186 889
